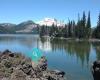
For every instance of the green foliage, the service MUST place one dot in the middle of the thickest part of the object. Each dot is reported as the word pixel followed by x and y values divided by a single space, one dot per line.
pixel 42 31
pixel 71 30
pixel 96 32
pixel 88 26
pixel 82 29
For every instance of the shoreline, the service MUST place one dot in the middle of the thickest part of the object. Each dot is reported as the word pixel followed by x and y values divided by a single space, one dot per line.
pixel 15 66
pixel 74 39
pixel 62 38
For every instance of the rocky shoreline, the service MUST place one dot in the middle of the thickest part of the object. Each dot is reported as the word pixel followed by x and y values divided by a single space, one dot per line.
pixel 15 66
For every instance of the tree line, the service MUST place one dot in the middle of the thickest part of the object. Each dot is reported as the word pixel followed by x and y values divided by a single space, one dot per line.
pixel 82 29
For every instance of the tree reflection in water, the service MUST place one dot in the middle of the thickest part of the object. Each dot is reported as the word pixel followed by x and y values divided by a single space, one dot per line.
pixel 80 49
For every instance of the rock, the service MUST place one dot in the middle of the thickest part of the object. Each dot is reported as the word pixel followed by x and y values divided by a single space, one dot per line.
pixel 96 70
pixel 6 63
pixel 61 73
pixel 42 63
pixel 52 75
pixel 5 79
pixel 11 54
pixel 15 66
pixel 50 78
pixel 18 75
pixel 26 68
pixel 6 52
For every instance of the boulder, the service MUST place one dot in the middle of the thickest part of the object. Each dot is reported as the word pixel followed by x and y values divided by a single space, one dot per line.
pixel 26 68
pixel 61 73
pixel 5 78
pixel 6 52
pixel 96 70
pixel 15 66
pixel 11 54
pixel 42 64
pixel 18 75
pixel 6 63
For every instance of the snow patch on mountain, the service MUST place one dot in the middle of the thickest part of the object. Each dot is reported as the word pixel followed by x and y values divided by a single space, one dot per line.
pixel 50 22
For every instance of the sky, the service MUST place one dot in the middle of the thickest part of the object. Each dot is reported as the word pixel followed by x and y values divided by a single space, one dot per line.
pixel 16 11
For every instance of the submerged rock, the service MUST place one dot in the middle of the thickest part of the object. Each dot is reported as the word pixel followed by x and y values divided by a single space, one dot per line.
pixel 14 66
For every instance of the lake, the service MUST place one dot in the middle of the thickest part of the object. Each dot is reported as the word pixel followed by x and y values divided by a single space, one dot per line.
pixel 75 58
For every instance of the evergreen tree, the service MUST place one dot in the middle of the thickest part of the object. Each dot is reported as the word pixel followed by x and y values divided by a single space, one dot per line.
pixel 66 31
pixel 80 29
pixel 77 28
pixel 84 19
pixel 88 26
pixel 46 30
pixel 83 26
pixel 97 29
pixel 73 28
pixel 42 30
pixel 53 30
pixel 69 29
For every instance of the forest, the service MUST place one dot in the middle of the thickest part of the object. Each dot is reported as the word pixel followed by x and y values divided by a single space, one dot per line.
pixel 82 29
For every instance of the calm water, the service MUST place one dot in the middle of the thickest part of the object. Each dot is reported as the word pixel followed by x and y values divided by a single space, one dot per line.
pixel 75 58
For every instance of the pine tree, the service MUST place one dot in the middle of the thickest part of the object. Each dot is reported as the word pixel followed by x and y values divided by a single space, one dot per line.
pixel 65 29
pixel 97 30
pixel 73 28
pixel 42 30
pixel 84 19
pixel 78 27
pixel 51 30
pixel 98 24
pixel 69 29
pixel 83 26
pixel 88 26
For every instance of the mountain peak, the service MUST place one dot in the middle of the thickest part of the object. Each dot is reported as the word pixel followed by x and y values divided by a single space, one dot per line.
pixel 50 22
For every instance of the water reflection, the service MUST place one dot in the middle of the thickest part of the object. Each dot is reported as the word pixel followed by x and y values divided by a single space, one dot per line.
pixel 73 57
pixel 70 56
pixel 45 44
pixel 80 49
pixel 20 39
pixel 96 46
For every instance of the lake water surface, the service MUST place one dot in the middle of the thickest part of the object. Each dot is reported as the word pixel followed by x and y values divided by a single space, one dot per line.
pixel 75 58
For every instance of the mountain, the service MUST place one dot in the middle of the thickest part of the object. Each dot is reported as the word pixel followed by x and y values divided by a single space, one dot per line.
pixel 50 22
pixel 24 27
pixel 27 26
pixel 7 28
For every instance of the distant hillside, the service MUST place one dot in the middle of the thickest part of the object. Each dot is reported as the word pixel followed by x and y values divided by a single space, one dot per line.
pixel 7 28
pixel 24 27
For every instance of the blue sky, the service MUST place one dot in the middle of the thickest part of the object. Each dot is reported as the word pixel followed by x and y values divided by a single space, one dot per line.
pixel 16 11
